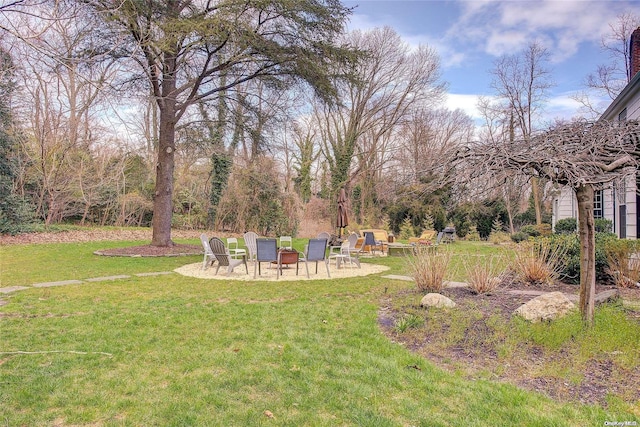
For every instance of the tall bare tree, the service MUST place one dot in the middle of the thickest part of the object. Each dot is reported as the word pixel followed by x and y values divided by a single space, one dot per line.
pixel 60 98
pixel 182 49
pixel 522 83
pixel 499 126
pixel 580 155
pixel 391 79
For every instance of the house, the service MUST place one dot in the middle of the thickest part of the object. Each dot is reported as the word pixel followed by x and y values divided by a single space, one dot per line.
pixel 619 202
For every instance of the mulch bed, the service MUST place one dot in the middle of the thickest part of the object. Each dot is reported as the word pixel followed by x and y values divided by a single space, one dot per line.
pixel 476 355
pixel 152 251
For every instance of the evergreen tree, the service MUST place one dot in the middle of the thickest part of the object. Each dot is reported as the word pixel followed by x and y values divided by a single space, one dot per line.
pixel 16 214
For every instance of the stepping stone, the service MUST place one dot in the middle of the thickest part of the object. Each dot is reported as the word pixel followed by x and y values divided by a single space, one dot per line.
pixel 455 284
pixel 447 284
pixel 105 278
pixel 60 283
pixel 12 289
pixel 156 273
pixel 607 296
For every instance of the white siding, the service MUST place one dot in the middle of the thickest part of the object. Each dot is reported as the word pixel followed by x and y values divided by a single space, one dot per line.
pixel 564 206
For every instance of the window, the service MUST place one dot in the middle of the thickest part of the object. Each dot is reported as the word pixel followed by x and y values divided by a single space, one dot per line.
pixel 622 116
pixel 598 211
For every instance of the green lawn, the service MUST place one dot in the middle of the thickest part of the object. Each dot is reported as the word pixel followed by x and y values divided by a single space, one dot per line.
pixel 173 350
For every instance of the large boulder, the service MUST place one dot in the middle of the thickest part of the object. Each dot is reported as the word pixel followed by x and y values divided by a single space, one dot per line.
pixel 436 300
pixel 548 306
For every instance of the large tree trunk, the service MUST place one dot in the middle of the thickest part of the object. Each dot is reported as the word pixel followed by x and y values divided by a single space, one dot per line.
pixel 163 196
pixel 586 227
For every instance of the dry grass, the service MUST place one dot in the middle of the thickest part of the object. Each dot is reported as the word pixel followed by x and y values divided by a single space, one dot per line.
pixel 484 277
pixel 428 267
pixel 624 269
pixel 538 262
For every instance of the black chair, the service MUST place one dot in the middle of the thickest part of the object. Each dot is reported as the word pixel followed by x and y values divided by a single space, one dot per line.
pixel 316 251
pixel 370 240
pixel 266 251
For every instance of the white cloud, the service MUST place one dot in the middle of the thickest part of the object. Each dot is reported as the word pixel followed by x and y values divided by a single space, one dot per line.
pixel 465 102
pixel 504 27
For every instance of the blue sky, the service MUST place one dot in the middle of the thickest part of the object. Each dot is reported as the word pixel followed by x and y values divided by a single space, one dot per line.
pixel 470 35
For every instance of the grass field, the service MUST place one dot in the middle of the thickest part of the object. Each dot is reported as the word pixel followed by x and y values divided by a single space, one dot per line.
pixel 172 350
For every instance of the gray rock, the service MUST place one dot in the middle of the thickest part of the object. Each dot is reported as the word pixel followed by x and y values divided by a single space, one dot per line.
pixel 436 300
pixel 548 306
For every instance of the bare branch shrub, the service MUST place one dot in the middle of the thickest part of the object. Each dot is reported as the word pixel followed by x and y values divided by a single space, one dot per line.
pixel 486 276
pixel 428 267
pixel 538 262
pixel 623 260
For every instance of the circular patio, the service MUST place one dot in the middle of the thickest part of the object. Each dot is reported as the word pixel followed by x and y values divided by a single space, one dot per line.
pixel 268 273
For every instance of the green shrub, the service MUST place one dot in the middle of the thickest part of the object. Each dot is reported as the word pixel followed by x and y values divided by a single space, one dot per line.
pixel 603 225
pixel 519 236
pixel 473 235
pixel 530 230
pixel 570 244
pixel 406 229
pixel 567 226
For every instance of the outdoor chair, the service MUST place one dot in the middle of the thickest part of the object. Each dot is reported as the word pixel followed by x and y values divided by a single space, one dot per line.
pixel 234 249
pixel 352 249
pixel 344 256
pixel 316 251
pixel 371 242
pixel 324 235
pixel 209 257
pixel 224 257
pixel 286 242
pixel 250 242
pixel 266 251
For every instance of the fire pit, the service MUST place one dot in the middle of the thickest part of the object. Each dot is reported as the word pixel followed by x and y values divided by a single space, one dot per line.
pixel 287 257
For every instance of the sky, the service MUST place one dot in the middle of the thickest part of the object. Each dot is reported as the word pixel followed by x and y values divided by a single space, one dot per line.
pixel 470 35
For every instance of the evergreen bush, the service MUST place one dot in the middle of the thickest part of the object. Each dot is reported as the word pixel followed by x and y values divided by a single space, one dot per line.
pixel 567 226
pixel 570 244
pixel 519 236
pixel 603 225
pixel 530 230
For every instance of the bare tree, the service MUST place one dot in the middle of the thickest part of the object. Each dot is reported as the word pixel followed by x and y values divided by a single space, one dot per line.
pixel 522 82
pixel 499 126
pixel 609 79
pixel 391 79
pixel 60 99
pixel 580 155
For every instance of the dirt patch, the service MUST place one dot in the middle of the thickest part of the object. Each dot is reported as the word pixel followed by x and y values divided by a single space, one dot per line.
pixel 91 235
pixel 477 350
pixel 152 251
pixel 96 235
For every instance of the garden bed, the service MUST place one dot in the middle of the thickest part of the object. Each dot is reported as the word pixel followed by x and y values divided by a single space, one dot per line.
pixel 475 339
